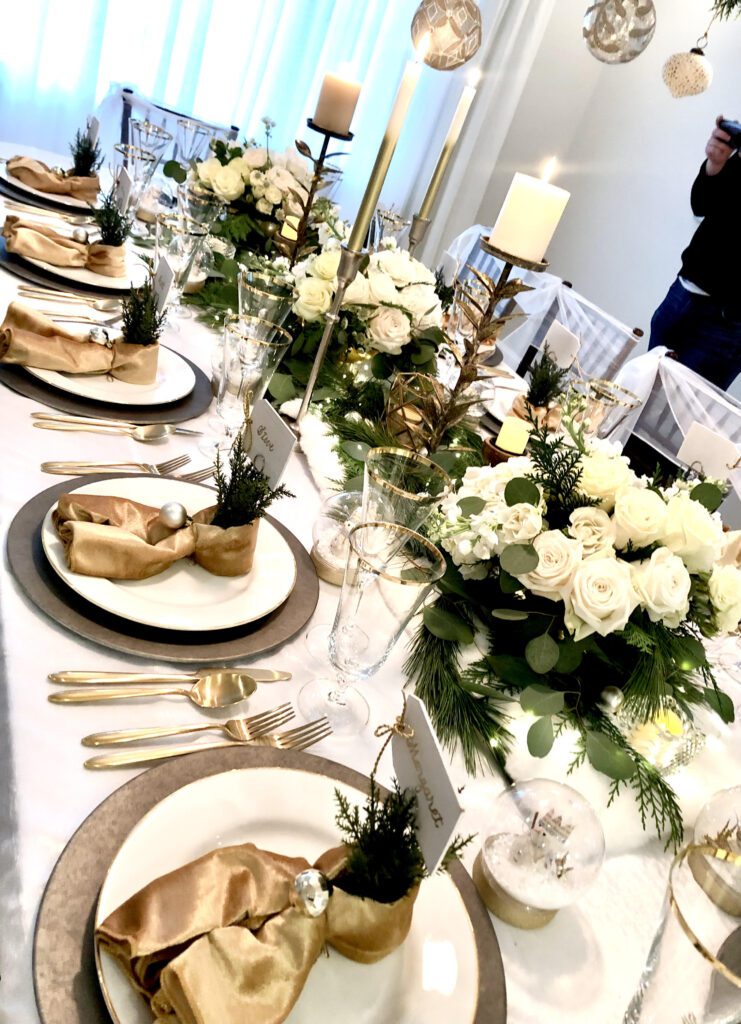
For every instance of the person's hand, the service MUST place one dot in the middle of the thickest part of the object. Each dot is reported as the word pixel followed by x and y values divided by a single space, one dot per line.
pixel 717 150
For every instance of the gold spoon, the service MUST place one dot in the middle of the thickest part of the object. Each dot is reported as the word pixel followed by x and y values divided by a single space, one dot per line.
pixel 145 432
pixel 215 690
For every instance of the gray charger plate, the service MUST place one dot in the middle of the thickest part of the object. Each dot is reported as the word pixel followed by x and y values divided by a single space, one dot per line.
pixel 18 379
pixel 54 598
pixel 65 979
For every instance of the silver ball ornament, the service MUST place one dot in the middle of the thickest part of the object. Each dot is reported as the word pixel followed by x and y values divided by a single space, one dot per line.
pixel 80 235
pixel 313 890
pixel 611 699
pixel 60 171
pixel 174 515
pixel 100 336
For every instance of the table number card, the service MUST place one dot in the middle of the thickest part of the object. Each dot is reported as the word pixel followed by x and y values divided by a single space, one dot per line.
pixel 420 765
pixel 93 129
pixel 162 281
pixel 272 441
pixel 710 453
pixel 123 190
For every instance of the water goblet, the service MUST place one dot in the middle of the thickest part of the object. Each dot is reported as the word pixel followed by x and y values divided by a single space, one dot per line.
pixel 192 140
pixel 263 298
pixel 401 486
pixel 140 163
pixel 179 239
pixel 198 203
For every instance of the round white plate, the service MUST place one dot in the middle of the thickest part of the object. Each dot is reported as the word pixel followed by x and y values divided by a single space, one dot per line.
pixel 175 380
pixel 432 977
pixel 135 276
pixel 70 201
pixel 185 596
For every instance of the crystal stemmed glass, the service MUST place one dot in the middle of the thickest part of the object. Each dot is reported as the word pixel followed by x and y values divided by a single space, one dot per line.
pixel 192 140
pixel 140 164
pixel 179 239
pixel 198 203
pixel 389 572
pixel 150 137
pixel 267 300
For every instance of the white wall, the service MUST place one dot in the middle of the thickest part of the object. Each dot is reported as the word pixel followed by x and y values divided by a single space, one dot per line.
pixel 629 152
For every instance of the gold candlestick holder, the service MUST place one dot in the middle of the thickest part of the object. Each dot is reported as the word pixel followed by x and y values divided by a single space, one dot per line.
pixel 417 232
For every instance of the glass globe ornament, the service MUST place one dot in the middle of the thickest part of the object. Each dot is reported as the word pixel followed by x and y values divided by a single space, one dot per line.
pixel 719 825
pixel 618 31
pixel 453 28
pixel 542 851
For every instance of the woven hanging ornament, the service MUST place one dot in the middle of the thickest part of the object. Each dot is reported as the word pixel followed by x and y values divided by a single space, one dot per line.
pixel 454 29
pixel 618 31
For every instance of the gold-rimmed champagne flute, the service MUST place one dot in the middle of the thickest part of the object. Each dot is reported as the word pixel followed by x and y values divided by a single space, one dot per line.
pixel 200 204
pixel 401 486
pixel 263 298
pixel 192 139
pixel 140 163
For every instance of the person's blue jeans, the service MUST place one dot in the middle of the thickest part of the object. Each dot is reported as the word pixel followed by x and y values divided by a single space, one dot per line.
pixel 702 334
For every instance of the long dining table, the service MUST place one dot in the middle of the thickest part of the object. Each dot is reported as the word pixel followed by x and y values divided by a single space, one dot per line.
pixel 581 968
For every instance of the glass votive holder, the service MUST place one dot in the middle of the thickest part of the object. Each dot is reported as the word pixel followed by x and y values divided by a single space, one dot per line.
pixel 668 741
pixel 337 517
pixel 543 850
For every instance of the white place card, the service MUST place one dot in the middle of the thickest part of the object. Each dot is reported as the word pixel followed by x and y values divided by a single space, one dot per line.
pixel 708 452
pixel 420 765
pixel 272 441
pixel 563 346
pixel 123 190
pixel 93 129
pixel 162 282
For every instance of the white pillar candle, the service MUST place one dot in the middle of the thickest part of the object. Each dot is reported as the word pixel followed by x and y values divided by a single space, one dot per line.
pixel 456 126
pixel 290 224
pixel 528 218
pixel 562 345
pixel 514 435
pixel 336 104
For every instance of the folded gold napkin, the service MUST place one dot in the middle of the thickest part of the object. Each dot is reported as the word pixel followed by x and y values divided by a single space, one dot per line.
pixel 223 941
pixel 121 539
pixel 27 238
pixel 37 175
pixel 28 338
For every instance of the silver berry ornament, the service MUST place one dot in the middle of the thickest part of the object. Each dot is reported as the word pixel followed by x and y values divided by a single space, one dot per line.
pixel 313 890
pixel 174 515
pixel 100 336
pixel 611 699
pixel 80 235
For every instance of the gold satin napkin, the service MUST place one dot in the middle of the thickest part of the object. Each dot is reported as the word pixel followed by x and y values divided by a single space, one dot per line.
pixel 38 242
pixel 37 175
pixel 28 338
pixel 222 941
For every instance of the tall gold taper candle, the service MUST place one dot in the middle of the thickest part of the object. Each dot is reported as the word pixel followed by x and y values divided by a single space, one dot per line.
pixel 369 201
pixel 456 125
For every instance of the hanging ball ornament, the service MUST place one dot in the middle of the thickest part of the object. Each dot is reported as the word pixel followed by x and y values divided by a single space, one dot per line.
pixel 687 74
pixel 611 699
pixel 174 515
pixel 453 28
pixel 618 31
pixel 312 889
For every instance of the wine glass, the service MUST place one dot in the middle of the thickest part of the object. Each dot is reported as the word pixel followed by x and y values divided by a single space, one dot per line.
pixel 389 572
pixel 180 240
pixel 263 298
pixel 199 204
pixel 401 486
pixel 140 163
pixel 192 140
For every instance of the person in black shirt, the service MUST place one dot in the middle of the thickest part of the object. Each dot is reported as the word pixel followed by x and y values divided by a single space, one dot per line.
pixel 700 318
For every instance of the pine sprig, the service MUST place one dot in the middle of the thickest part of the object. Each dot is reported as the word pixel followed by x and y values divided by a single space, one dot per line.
pixel 86 155
pixel 558 472
pixel 726 9
pixel 142 322
pixel 113 225
pixel 546 380
pixel 246 495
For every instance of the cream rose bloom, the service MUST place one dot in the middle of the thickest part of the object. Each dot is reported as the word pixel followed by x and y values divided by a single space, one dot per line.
pixel 603 475
pixel 357 292
pixel 595 529
pixel 402 268
pixel 519 524
pixel 313 298
pixel 602 598
pixel 640 516
pixel 241 165
pixel 227 183
pixel 663 586
pixel 255 156
pixel 325 265
pixel 282 178
pixel 208 169
pixel 381 287
pixel 725 593
pixel 422 302
pixel 559 557
pixel 389 330
pixel 693 533
pixel 273 195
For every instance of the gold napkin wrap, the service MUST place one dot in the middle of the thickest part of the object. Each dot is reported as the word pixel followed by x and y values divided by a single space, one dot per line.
pixel 30 239
pixel 36 174
pixel 28 338
pixel 121 539
pixel 543 415
pixel 221 941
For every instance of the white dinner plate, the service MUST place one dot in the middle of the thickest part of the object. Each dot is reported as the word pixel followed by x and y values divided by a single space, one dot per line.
pixel 70 201
pixel 432 978
pixel 175 380
pixel 185 596
pixel 135 275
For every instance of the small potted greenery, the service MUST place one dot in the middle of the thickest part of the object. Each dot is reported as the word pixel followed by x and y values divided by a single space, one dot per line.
pixel 108 256
pixel 137 351
pixel 86 157
pixel 546 383
pixel 226 533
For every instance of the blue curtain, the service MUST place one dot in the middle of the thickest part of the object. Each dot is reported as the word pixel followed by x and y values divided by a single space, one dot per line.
pixel 229 61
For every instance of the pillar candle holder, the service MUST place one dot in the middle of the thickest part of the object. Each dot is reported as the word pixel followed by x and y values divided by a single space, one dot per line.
pixel 417 232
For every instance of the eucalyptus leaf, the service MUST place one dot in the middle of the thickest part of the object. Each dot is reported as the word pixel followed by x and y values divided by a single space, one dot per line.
pixel 357 450
pixel 508 614
pixel 172 169
pixel 569 657
pixel 355 483
pixel 517 559
pixel 445 459
pixel 447 625
pixel 521 491
pixel 511 669
pixel 607 757
pixel 541 700
pixel 509 584
pixel 282 388
pixel 708 495
pixel 471 506
pixel 381 366
pixel 721 703
pixel 452 582
pixel 540 737
pixel 693 654
pixel 424 354
pixel 542 654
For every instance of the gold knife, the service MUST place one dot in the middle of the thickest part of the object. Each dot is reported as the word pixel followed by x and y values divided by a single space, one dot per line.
pixel 74 678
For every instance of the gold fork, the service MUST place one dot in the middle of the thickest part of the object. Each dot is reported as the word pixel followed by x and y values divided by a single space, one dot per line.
pixel 300 738
pixel 86 468
pixel 241 729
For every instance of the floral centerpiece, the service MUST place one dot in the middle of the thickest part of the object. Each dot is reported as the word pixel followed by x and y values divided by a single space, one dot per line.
pixel 578 580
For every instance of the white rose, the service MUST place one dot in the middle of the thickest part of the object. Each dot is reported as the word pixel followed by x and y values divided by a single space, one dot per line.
pixel 207 169
pixel 603 475
pixel 297 165
pixel 663 586
pixel 558 558
pixel 725 592
pixel 397 264
pixel 382 288
pixel 389 330
pixel 519 524
pixel 257 178
pixel 273 195
pixel 640 517
pixel 422 302
pixel 325 265
pixel 264 206
pixel 594 528
pixel 281 178
pixel 227 183
pixel 238 163
pixel 731 553
pixel 357 292
pixel 602 598
pixel 255 156
pixel 313 299
pixel 693 533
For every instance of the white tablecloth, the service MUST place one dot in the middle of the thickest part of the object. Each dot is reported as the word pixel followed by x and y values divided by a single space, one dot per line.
pixel 580 969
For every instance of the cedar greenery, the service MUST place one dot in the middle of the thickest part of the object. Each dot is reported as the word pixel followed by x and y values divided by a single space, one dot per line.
pixel 142 322
pixel 725 9
pixel 246 495
pixel 114 226
pixel 546 380
pixel 558 472
pixel 86 156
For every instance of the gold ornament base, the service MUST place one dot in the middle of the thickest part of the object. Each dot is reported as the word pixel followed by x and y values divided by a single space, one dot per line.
pixel 326 570
pixel 506 907
pixel 715 887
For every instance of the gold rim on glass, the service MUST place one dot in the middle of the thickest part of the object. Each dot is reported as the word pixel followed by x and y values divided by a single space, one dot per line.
pixel 233 322
pixel 129 152
pixel 150 128
pixel 182 225
pixel 435 554
pixel 197 127
pixel 273 296
pixel 411 457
